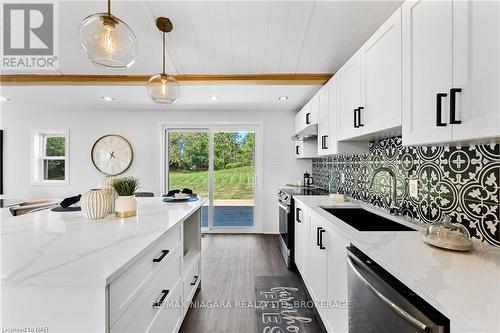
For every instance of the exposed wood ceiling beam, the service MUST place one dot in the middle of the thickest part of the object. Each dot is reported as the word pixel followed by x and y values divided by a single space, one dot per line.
pixel 117 80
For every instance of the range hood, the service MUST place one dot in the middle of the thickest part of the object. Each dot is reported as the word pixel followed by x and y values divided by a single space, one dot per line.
pixel 308 133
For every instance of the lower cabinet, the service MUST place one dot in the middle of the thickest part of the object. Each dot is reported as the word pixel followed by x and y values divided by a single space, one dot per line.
pixel 337 319
pixel 318 280
pixel 158 307
pixel 320 256
pixel 301 239
pixel 153 293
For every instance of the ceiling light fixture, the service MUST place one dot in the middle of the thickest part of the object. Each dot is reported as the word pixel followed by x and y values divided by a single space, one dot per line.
pixel 214 98
pixel 4 99
pixel 283 98
pixel 107 41
pixel 163 88
pixel 107 98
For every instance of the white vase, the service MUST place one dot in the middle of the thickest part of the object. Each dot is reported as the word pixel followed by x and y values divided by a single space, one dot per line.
pixel 126 206
pixel 95 204
pixel 106 185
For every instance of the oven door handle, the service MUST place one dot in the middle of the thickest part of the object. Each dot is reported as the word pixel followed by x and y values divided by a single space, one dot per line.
pixel 400 312
pixel 286 208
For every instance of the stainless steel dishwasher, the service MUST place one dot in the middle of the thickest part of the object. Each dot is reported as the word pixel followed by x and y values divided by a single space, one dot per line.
pixel 378 302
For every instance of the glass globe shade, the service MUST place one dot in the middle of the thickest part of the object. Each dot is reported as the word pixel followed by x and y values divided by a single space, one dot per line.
pixel 163 89
pixel 107 41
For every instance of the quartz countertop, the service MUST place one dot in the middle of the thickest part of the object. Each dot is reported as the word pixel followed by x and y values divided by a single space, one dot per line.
pixel 464 286
pixel 66 249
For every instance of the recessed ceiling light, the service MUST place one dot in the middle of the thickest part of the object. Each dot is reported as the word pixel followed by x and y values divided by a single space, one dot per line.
pixel 283 98
pixel 4 99
pixel 214 98
pixel 107 98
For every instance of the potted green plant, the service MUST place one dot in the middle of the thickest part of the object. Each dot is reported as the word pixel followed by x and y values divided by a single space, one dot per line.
pixel 126 203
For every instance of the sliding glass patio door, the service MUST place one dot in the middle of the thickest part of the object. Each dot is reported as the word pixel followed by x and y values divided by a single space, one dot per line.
pixel 219 164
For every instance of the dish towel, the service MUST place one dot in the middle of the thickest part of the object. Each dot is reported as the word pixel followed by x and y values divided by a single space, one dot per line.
pixel 70 201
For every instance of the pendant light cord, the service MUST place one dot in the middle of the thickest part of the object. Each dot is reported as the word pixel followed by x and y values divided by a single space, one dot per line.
pixel 163 53
pixel 109 7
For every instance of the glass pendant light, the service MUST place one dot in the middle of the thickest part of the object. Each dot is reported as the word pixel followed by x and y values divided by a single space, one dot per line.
pixel 163 88
pixel 107 41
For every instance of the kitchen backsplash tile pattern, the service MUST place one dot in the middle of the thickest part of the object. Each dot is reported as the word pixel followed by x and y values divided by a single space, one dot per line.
pixel 462 182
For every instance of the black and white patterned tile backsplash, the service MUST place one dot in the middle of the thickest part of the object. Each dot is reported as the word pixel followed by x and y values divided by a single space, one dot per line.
pixel 462 182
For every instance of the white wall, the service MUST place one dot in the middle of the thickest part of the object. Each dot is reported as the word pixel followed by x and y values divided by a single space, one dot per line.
pixel 141 129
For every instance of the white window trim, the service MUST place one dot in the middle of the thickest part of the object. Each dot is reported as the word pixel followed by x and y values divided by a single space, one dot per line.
pixel 38 156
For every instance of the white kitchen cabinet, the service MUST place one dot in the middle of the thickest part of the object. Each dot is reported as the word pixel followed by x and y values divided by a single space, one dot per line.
pixel 427 70
pixel 306 119
pixel 318 274
pixel 301 247
pixel 451 93
pixel 476 69
pixel 328 136
pixel 381 78
pixel 324 112
pixel 349 90
pixel 305 149
pixel 338 317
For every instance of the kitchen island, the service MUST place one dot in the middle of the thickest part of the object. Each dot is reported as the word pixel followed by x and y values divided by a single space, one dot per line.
pixel 61 272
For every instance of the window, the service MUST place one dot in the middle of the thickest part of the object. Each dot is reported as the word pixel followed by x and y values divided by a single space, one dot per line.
pixel 50 152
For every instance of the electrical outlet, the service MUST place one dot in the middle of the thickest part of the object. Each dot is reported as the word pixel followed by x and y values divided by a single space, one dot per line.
pixel 342 178
pixel 413 187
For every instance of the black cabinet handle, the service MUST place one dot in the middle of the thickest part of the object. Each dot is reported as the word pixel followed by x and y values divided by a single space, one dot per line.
pixel 308 118
pixel 297 215
pixel 356 118
pixel 296 150
pixel 195 280
pixel 323 142
pixel 317 235
pixel 163 254
pixel 321 239
pixel 453 96
pixel 439 98
pixel 359 117
pixel 160 301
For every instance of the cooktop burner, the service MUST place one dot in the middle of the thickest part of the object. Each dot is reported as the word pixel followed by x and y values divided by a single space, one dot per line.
pixel 305 191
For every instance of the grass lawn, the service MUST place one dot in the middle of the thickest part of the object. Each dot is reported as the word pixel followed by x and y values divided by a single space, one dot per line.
pixel 228 184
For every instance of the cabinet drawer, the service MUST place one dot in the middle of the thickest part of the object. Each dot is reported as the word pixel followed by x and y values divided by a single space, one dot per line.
pixel 125 289
pixel 191 278
pixel 142 316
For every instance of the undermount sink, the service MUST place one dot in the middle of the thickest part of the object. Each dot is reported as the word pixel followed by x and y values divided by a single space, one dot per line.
pixel 364 220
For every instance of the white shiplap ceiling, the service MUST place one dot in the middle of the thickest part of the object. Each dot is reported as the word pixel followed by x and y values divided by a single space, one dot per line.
pixel 227 37
pixel 213 37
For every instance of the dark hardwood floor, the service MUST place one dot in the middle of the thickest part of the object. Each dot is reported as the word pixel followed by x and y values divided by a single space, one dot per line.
pixel 230 264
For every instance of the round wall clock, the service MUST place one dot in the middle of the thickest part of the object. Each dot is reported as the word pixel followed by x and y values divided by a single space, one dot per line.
pixel 112 154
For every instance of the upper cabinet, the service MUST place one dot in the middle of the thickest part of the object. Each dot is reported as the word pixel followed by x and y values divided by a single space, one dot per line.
pixel 324 145
pixel 349 93
pixel 307 118
pixel 328 126
pixel 381 78
pixel 370 84
pixel 451 73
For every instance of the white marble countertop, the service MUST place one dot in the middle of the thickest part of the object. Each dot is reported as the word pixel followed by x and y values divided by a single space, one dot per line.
pixel 66 249
pixel 464 286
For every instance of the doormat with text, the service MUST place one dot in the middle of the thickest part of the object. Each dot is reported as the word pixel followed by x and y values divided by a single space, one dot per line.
pixel 284 306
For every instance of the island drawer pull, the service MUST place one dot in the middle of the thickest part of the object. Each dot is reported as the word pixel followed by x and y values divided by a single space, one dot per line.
pixel 163 296
pixel 163 254
pixel 195 280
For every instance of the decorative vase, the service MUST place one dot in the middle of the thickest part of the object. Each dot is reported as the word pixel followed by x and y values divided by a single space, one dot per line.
pixel 106 185
pixel 126 206
pixel 95 204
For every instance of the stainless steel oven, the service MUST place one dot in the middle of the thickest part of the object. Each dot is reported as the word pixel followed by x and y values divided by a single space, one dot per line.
pixel 378 302
pixel 285 204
